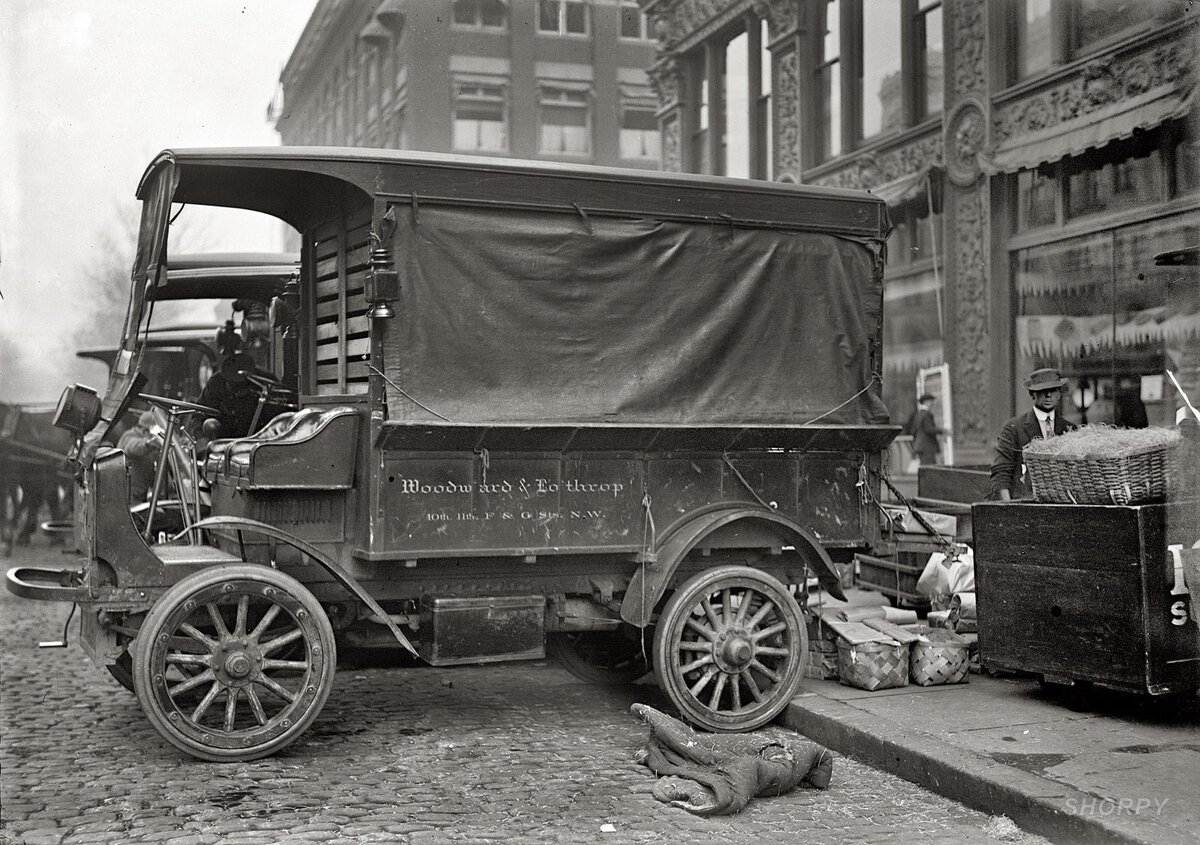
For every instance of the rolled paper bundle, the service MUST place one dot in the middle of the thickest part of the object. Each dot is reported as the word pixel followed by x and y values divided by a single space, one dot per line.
pixel 858 614
pixel 899 616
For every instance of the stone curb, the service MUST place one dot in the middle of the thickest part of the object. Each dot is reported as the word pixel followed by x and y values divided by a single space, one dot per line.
pixel 1035 804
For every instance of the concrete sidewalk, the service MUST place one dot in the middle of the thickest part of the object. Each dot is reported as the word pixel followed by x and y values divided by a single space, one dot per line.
pixel 1109 768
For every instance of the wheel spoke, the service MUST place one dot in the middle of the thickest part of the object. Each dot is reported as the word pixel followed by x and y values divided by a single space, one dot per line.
pixel 243 610
pixel 726 610
pixel 280 642
pixel 190 659
pixel 231 708
pixel 719 687
pixel 767 607
pixel 748 679
pixel 709 674
pixel 218 622
pixel 284 664
pixel 207 701
pixel 198 635
pixel 696 664
pixel 707 633
pixel 274 687
pixel 743 609
pixel 256 705
pixel 763 670
pixel 263 623
pixel 736 689
pixel 706 605
pixel 777 628
pixel 192 683
pixel 771 651
pixel 696 645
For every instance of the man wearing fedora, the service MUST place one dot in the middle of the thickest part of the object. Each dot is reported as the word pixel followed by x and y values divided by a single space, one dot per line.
pixel 1008 478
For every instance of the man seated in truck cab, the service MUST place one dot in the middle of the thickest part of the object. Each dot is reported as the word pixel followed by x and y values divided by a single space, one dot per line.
pixel 233 394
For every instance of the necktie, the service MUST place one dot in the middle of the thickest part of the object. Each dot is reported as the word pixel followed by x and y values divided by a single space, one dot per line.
pixel 1047 428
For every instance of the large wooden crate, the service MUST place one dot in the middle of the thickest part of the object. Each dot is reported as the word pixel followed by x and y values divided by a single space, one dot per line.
pixel 1084 592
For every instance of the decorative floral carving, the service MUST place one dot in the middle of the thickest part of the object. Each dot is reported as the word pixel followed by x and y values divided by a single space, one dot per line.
pixel 874 169
pixel 786 102
pixel 782 16
pixel 966 134
pixel 665 79
pixel 969 41
pixel 970 309
pixel 1097 85
pixel 671 158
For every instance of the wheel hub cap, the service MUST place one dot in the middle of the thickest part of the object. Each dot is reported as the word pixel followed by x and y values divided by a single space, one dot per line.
pixel 733 649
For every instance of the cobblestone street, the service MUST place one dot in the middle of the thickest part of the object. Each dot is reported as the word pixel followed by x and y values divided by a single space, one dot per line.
pixel 409 754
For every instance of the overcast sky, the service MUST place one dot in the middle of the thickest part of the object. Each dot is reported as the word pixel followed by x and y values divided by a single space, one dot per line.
pixel 90 91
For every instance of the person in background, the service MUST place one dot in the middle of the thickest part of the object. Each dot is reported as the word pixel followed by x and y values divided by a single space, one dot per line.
pixel 141 444
pixel 1008 477
pixel 925 430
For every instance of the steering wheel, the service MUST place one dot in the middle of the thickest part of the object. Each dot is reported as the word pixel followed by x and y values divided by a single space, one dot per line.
pixel 179 405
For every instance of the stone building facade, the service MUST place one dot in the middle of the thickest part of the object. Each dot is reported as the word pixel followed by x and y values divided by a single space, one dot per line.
pixel 1036 155
pixel 563 80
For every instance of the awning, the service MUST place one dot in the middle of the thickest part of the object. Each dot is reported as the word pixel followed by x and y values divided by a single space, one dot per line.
pixel 1113 122
pixel 910 187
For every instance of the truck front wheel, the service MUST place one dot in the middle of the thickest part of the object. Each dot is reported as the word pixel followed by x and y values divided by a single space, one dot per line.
pixel 730 648
pixel 234 662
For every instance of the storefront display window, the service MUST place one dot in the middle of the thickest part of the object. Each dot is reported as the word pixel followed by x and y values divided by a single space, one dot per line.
pixel 1099 309
pixel 1116 185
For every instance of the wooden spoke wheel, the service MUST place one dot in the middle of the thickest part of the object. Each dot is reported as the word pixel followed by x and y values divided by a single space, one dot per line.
pixel 730 648
pixel 611 658
pixel 234 662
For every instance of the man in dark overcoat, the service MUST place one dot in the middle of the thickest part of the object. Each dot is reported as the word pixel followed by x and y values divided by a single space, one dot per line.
pixel 1008 477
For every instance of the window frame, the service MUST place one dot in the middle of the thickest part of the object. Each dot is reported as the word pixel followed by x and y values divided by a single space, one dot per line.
pixel 643 22
pixel 562 30
pixel 478 24
pixel 584 104
pixel 503 99
pixel 641 105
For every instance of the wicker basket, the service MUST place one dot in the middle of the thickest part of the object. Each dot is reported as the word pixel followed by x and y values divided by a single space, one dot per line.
pixel 942 660
pixel 1125 471
pixel 873 666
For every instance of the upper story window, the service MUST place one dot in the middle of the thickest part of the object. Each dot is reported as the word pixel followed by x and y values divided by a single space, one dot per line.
pixel 877 68
pixel 633 22
pixel 730 94
pixel 480 14
pixel 565 121
pixel 563 17
pixel 640 138
pixel 480 116
pixel 1151 168
pixel 1045 33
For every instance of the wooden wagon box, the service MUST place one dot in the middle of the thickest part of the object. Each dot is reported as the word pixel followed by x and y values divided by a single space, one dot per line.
pixel 1088 593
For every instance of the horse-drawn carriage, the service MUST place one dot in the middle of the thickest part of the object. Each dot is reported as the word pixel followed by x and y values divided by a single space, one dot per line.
pixel 629 416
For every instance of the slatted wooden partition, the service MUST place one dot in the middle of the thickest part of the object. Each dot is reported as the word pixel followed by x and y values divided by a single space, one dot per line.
pixel 340 326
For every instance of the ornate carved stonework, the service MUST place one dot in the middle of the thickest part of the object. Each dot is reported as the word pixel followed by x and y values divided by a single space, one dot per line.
pixel 969 304
pixel 672 160
pixel 786 102
pixel 970 71
pixel 966 136
pixel 870 170
pixel 783 17
pixel 673 22
pixel 666 79
pixel 1098 85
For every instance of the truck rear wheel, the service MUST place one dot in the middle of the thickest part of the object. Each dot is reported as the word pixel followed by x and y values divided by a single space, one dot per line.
pixel 730 648
pixel 610 658
pixel 213 670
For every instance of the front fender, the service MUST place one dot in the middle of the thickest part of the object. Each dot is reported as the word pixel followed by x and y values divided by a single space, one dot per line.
pixel 650 581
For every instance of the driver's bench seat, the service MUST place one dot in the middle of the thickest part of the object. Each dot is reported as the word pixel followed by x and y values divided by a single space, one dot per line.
pixel 312 449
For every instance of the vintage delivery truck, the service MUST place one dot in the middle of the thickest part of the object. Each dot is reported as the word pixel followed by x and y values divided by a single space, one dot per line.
pixel 622 416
